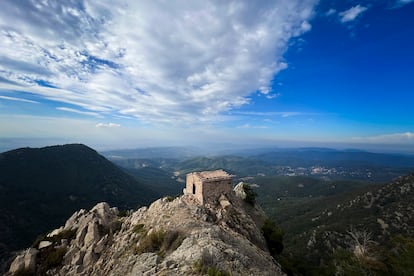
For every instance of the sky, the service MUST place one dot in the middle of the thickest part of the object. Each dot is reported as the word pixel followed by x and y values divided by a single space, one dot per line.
pixel 130 74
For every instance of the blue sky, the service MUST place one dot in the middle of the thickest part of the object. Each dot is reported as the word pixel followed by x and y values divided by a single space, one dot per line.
pixel 124 74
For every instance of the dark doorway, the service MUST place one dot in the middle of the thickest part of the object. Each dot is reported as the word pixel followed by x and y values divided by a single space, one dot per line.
pixel 194 189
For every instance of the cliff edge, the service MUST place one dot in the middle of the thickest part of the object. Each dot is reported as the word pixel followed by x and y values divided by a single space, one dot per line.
pixel 173 236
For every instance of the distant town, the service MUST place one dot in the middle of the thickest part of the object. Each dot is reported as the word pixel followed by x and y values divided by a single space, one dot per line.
pixel 324 171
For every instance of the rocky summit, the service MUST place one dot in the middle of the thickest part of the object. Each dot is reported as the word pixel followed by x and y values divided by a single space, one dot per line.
pixel 173 236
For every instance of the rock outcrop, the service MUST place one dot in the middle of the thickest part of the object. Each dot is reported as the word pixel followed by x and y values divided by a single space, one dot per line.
pixel 170 237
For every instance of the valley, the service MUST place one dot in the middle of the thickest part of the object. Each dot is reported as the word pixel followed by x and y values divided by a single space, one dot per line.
pixel 321 199
pixel 311 194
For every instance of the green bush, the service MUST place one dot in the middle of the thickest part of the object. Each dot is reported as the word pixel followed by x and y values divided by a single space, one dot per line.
pixel 37 241
pixel 401 258
pixel 55 257
pixel 250 194
pixel 123 213
pixel 213 271
pixel 24 272
pixel 273 236
pixel 50 257
pixel 65 234
pixel 172 240
pixel 171 198
pixel 160 241
pixel 207 265
pixel 151 242
pixel 139 228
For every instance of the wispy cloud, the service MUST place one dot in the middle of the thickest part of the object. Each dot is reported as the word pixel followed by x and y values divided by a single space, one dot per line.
pixel 393 138
pixel 272 95
pixel 17 99
pixel 272 114
pixel 78 111
pixel 104 58
pixel 330 12
pixel 253 126
pixel 352 13
pixel 400 3
pixel 107 125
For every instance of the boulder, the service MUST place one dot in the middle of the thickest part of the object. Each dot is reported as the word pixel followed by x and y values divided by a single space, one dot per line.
pixel 44 244
pixel 239 190
pixel 26 261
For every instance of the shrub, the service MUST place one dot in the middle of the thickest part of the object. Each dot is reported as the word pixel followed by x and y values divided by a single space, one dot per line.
pixel 207 265
pixel 37 241
pixel 65 234
pixel 401 259
pixel 116 226
pixel 151 242
pixel 160 241
pixel 273 236
pixel 24 272
pixel 250 194
pixel 50 258
pixel 139 228
pixel 171 198
pixel 123 213
pixel 213 271
pixel 55 257
pixel 172 240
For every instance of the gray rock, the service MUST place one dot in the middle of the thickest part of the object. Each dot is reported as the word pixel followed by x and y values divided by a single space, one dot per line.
pixel 206 234
pixel 26 260
pixel 44 244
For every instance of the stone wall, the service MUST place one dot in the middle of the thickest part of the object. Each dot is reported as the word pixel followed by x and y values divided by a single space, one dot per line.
pixel 194 186
pixel 213 189
pixel 207 190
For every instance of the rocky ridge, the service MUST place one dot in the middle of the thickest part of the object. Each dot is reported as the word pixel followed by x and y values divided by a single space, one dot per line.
pixel 369 227
pixel 170 237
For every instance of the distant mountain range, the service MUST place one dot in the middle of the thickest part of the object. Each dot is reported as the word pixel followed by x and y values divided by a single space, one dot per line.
pixel 152 153
pixel 40 187
pixel 381 167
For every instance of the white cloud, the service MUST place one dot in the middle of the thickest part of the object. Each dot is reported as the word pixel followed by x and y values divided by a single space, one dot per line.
pixel 158 61
pixel 78 111
pixel 45 130
pixel 270 114
pixel 273 96
pixel 248 126
pixel 400 3
pixel 352 13
pixel 108 125
pixel 330 12
pixel 394 138
pixel 18 99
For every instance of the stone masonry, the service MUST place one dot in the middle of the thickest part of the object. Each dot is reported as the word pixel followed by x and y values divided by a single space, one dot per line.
pixel 207 186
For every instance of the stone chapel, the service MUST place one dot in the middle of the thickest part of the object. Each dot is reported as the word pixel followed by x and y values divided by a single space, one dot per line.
pixel 207 186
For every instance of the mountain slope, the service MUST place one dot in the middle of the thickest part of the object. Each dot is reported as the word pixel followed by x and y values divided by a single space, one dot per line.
pixel 241 166
pixel 159 180
pixel 178 237
pixel 370 233
pixel 39 187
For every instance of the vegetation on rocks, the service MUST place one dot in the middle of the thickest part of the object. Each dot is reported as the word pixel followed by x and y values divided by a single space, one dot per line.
pixel 250 194
pixel 50 258
pixel 165 238
pixel 273 236
pixel 159 242
pixel 66 234
pixel 207 265
pixel 368 231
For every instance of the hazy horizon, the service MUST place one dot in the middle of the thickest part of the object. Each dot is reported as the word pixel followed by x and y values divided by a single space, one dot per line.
pixel 215 148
